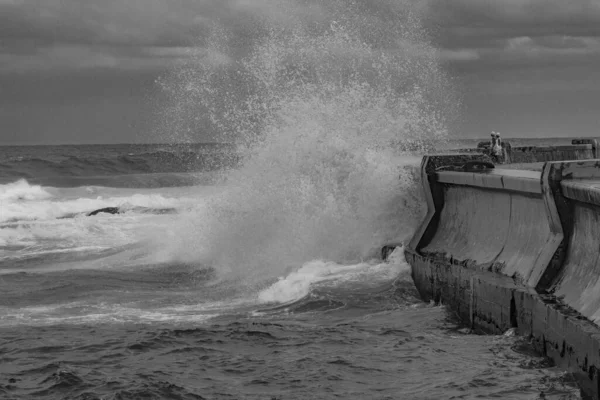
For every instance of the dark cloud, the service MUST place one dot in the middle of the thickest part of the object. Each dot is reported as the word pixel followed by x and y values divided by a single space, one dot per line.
pixel 56 32
pixel 489 23
pixel 124 33
pixel 132 22
pixel 492 48
pixel 126 22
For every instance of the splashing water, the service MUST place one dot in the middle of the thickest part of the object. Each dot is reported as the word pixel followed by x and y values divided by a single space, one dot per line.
pixel 330 115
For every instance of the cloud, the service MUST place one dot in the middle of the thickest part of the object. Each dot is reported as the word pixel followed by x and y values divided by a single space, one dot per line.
pixel 524 46
pixel 135 22
pixel 120 32
pixel 458 55
pixel 81 57
pixel 529 13
pixel 55 32
pixel 129 22
pixel 488 24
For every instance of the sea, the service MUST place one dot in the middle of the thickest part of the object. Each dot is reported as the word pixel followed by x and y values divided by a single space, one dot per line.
pixel 202 282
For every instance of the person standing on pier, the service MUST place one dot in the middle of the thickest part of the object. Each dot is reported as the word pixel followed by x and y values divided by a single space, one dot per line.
pixel 496 148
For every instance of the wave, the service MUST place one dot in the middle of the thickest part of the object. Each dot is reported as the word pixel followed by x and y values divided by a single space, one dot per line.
pixel 36 221
pixel 187 293
pixel 329 122
pixel 331 118
pixel 316 278
pixel 21 201
pixel 22 190
pixel 115 163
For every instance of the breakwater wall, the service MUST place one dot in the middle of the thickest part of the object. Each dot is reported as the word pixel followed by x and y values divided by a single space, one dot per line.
pixel 579 149
pixel 506 248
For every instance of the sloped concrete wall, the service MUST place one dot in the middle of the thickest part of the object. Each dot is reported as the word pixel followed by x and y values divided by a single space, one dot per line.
pixel 517 249
pixel 579 282
pixel 497 221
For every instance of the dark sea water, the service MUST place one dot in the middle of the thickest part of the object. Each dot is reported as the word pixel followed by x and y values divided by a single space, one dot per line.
pixel 237 285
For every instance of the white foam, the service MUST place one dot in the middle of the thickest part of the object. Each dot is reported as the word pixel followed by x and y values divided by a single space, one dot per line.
pixel 21 190
pixel 57 208
pixel 328 122
pixel 298 283
pixel 103 312
pixel 33 229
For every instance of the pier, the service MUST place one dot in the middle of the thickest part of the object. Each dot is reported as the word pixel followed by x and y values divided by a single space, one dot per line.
pixel 517 246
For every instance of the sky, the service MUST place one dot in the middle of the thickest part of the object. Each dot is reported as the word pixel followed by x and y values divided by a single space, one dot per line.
pixel 86 71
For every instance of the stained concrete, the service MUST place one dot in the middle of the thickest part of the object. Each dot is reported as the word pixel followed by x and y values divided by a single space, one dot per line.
pixel 580 149
pixel 551 153
pixel 492 303
pixel 520 181
pixel 579 281
pixel 517 255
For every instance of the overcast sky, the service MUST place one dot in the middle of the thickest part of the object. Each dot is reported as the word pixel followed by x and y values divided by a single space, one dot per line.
pixel 84 71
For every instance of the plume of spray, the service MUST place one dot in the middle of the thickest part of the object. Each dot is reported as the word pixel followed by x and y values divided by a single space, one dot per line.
pixel 330 116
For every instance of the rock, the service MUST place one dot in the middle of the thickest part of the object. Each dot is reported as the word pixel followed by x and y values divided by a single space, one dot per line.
pixel 107 210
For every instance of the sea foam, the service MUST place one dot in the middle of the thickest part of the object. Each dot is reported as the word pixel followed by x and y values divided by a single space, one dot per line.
pixel 330 116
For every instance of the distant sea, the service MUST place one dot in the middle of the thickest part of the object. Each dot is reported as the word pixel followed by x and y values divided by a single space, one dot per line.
pixel 206 280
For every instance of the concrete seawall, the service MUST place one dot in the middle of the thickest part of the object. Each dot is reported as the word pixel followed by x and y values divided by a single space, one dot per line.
pixel 507 248
pixel 579 149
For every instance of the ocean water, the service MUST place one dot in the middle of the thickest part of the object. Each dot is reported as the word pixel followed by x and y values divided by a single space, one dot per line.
pixel 101 307
pixel 251 270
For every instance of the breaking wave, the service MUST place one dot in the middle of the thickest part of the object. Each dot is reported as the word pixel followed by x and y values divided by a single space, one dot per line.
pixel 330 115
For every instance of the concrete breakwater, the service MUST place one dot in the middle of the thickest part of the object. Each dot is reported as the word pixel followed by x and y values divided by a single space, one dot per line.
pixel 516 248
pixel 580 149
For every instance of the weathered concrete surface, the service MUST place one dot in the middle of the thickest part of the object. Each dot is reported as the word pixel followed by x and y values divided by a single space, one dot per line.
pixel 517 249
pixel 520 181
pixel 579 281
pixel 580 149
pixel 497 221
pixel 429 165
pixel 525 154
pixel 587 191
pixel 492 303
pixel 594 142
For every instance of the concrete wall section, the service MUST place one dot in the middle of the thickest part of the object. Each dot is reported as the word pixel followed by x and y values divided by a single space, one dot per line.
pixel 507 221
pixel 492 303
pixel 507 179
pixel 593 142
pixel 495 220
pixel 579 281
pixel 505 232
pixel 487 228
pixel 530 242
pixel 550 153
pixel 429 165
pixel 580 149
pixel 587 191
pixel 473 226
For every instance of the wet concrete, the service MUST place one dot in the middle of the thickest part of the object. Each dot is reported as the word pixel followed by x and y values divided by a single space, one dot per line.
pixel 517 249
pixel 580 149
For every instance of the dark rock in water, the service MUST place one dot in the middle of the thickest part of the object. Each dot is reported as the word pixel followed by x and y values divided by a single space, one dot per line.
pixel 108 210
pixel 143 210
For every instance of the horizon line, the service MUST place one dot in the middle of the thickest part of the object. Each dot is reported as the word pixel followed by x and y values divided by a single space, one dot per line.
pixel 230 143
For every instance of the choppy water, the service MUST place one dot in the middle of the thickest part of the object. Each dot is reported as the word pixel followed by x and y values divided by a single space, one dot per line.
pixel 90 309
pixel 250 271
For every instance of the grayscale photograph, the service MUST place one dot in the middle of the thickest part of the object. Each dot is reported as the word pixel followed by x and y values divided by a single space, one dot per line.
pixel 299 199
